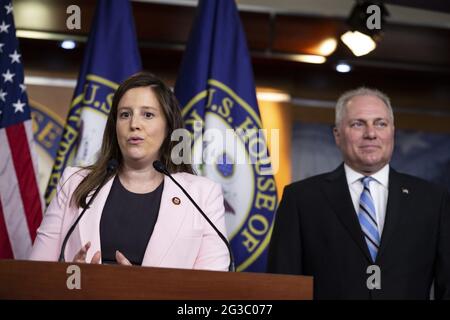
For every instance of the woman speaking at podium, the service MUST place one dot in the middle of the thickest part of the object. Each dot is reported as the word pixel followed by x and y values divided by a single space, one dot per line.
pixel 133 213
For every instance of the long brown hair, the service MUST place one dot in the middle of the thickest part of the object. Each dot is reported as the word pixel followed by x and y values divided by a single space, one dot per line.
pixel 110 146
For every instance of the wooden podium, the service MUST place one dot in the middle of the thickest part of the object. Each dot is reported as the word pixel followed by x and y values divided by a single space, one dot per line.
pixel 48 280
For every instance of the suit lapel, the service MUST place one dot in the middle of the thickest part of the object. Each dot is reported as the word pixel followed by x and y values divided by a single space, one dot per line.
pixel 396 201
pixel 338 194
pixel 170 219
pixel 89 225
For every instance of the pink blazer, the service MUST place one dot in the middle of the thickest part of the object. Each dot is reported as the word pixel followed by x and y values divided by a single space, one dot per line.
pixel 182 238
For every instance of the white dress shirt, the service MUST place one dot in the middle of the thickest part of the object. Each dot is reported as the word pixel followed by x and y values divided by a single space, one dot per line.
pixel 378 190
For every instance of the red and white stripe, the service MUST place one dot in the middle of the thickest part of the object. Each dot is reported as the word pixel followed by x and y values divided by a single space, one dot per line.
pixel 20 200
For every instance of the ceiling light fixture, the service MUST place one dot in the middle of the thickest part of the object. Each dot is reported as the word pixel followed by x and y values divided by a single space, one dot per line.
pixel 327 47
pixel 366 21
pixel 359 43
pixel 308 58
pixel 273 96
pixel 343 67
pixel 68 44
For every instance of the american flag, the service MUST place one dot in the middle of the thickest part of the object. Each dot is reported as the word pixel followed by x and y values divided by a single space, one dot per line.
pixel 20 202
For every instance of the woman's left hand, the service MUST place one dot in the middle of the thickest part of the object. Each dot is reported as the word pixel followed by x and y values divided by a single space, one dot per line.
pixel 121 259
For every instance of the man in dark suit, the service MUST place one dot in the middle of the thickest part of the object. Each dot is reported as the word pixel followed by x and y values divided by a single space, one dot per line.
pixel 365 231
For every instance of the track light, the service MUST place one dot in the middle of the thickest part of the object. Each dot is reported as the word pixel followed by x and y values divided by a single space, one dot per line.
pixel 366 21
pixel 359 43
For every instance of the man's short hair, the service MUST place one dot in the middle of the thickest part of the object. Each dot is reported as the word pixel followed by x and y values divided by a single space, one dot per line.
pixel 362 91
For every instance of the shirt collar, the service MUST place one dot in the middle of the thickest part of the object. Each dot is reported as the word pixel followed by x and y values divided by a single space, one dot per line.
pixel 381 176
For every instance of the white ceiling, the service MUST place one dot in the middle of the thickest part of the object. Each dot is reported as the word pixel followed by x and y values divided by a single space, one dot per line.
pixel 331 8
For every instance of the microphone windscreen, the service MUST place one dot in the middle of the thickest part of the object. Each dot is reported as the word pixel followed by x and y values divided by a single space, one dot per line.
pixel 159 166
pixel 112 165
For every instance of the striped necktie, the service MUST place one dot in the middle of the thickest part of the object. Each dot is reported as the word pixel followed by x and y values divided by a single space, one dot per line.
pixel 368 219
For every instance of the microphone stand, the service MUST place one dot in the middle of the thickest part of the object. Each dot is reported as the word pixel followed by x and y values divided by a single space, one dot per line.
pixel 160 167
pixel 112 165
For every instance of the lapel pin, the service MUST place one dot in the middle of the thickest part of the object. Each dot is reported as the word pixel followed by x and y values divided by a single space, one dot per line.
pixel 176 201
pixel 405 191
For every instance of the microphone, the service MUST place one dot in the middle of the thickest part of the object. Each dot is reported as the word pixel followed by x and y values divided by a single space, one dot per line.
pixel 112 166
pixel 160 167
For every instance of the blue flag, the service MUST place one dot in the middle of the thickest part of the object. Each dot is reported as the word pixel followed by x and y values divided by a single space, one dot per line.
pixel 111 56
pixel 216 90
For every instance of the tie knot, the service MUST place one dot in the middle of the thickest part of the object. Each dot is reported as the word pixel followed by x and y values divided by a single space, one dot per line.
pixel 366 181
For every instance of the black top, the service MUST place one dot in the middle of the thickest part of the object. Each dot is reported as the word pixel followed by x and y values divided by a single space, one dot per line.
pixel 127 222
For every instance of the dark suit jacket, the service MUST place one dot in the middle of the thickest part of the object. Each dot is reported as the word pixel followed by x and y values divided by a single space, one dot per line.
pixel 317 233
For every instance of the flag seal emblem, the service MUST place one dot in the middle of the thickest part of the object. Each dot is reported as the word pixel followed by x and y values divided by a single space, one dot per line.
pixel 239 162
pixel 87 121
